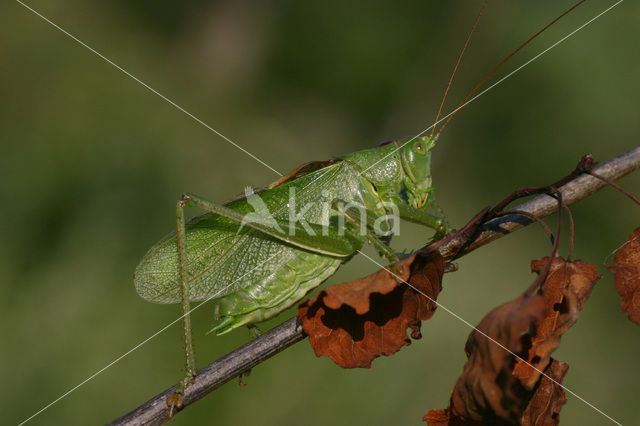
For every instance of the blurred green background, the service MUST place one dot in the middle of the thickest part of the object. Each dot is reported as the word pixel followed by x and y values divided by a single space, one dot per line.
pixel 92 164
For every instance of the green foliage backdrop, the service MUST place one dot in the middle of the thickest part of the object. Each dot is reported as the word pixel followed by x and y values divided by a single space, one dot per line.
pixel 92 164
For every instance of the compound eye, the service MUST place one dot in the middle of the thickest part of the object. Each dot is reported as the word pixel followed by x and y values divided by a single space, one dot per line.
pixel 419 148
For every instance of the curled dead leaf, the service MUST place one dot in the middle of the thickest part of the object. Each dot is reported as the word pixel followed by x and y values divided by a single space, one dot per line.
pixel 355 322
pixel 503 381
pixel 487 392
pixel 543 408
pixel 626 269
pixel 545 404
pixel 565 291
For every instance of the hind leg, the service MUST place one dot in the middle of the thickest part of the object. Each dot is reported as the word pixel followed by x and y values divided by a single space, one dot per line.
pixel 175 400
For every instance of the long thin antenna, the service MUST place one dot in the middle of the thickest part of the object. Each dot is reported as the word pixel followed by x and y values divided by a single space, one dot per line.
pixel 455 68
pixel 488 76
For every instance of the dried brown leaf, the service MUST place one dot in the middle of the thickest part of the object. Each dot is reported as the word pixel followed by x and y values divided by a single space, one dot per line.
pixel 548 398
pixel 438 418
pixel 496 386
pixel 486 392
pixel 626 269
pixel 565 291
pixel 543 408
pixel 355 322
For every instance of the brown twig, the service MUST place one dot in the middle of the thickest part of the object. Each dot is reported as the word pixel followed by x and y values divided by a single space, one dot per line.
pixel 214 375
pixel 572 231
pixel 616 186
pixel 544 273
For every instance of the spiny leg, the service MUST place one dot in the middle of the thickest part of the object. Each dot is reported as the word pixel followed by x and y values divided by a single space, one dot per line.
pixel 176 399
pixel 438 222
pixel 439 213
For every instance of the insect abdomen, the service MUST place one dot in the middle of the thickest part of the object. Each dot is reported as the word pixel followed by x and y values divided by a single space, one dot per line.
pixel 280 290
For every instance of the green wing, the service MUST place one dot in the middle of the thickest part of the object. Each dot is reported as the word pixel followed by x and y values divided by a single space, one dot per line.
pixel 223 258
pixel 219 262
